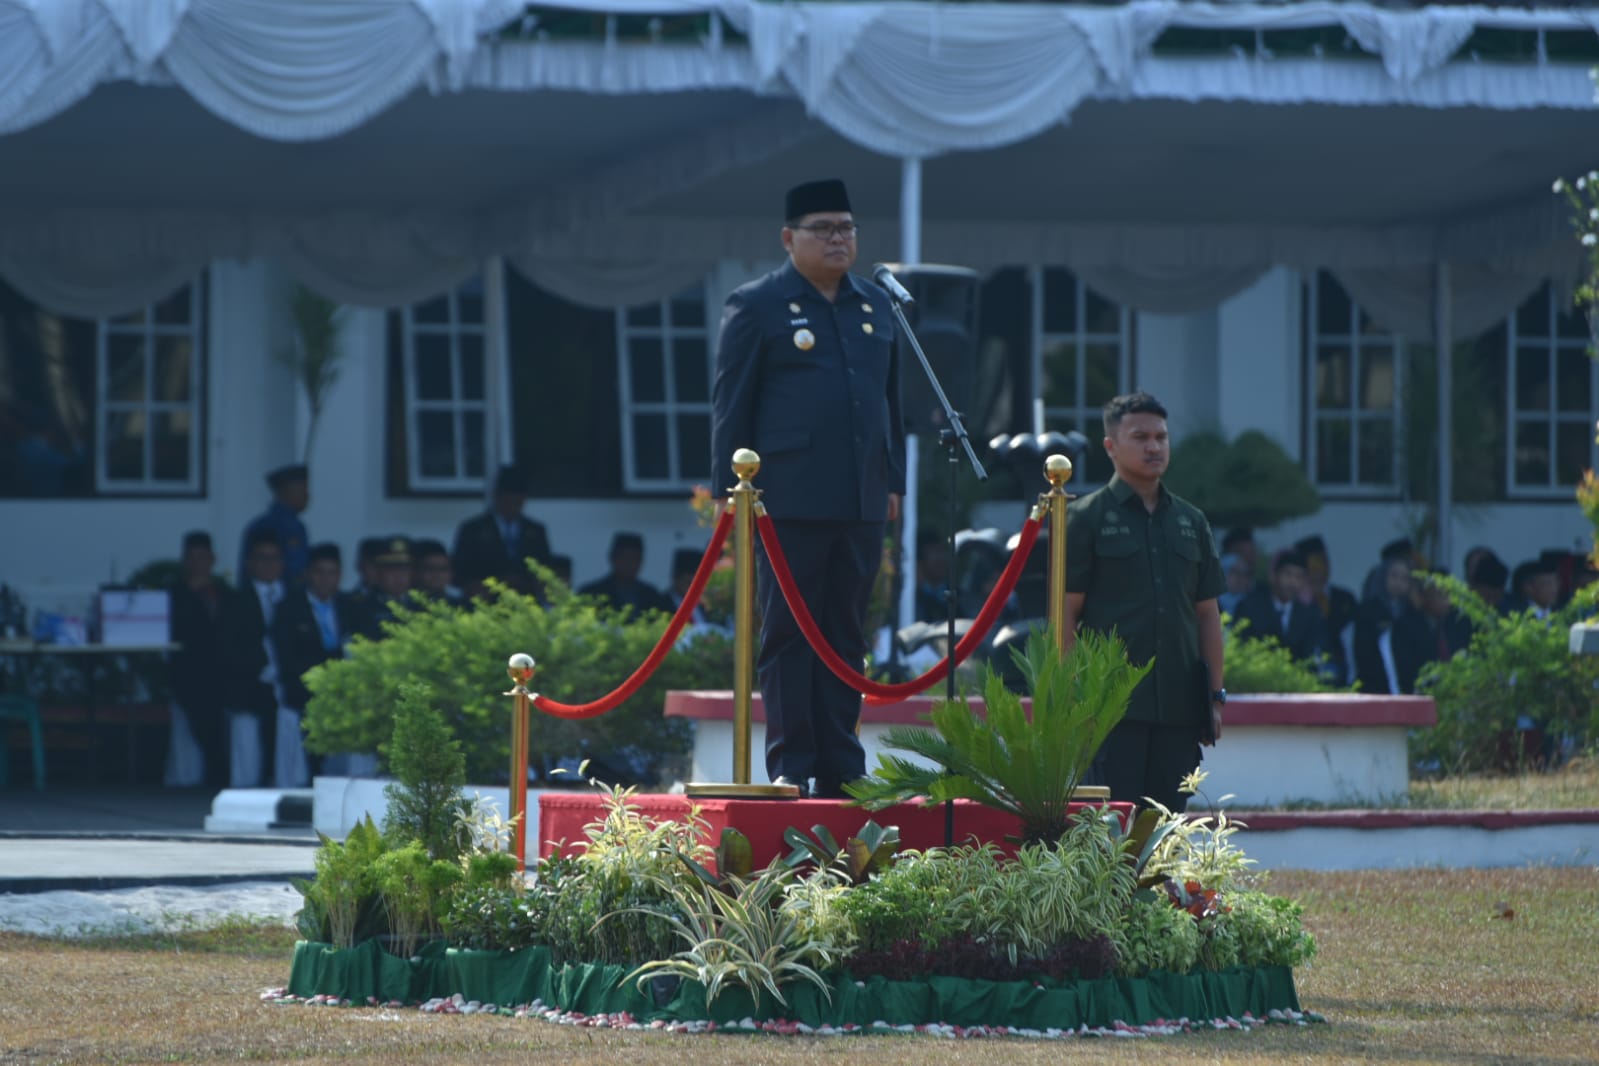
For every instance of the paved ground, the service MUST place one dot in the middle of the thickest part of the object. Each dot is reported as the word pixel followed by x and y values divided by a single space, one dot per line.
pixel 73 838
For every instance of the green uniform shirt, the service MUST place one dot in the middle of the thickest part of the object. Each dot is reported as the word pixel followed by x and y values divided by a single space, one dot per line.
pixel 1141 575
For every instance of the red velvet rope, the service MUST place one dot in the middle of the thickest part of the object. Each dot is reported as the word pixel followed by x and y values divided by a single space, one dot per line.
pixel 876 692
pixel 685 611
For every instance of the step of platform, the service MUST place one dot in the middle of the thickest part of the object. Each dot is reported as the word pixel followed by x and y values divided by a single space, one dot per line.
pixel 258 810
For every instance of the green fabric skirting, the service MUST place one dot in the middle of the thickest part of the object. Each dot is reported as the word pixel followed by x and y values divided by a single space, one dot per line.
pixel 366 973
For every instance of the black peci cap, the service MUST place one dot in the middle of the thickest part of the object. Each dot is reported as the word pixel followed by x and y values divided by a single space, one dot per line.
pixel 815 197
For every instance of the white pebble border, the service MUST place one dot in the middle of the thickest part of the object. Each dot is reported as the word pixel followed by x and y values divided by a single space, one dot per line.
pixel 457 1004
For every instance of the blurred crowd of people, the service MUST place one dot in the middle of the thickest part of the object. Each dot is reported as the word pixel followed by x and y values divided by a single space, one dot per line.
pixel 1397 624
pixel 237 680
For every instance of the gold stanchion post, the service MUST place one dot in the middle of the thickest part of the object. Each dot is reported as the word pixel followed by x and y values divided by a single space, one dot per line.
pixel 745 500
pixel 1057 471
pixel 521 668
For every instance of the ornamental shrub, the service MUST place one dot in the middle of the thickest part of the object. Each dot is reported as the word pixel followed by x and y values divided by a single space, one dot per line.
pixel 1268 930
pixel 425 804
pixel 1256 666
pixel 1155 936
pixel 584 650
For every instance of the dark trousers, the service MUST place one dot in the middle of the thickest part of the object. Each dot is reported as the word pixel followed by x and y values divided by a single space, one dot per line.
pixel 1142 759
pixel 811 715
pixel 208 724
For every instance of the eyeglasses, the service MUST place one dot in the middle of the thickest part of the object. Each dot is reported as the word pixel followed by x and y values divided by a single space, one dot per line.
pixel 826 231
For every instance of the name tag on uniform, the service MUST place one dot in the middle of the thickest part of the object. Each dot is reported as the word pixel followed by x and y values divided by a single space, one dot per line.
pixel 1112 531
pixel 799 321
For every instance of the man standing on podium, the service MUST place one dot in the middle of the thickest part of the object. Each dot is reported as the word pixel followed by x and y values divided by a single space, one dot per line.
pixel 806 375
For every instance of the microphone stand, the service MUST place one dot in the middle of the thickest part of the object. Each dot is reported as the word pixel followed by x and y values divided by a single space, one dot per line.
pixel 953 434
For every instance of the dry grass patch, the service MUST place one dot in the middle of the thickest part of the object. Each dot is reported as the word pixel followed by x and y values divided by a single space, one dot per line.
pixel 1574 786
pixel 1415 967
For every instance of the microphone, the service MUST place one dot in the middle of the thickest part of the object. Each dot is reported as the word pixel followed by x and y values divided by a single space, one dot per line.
pixel 897 292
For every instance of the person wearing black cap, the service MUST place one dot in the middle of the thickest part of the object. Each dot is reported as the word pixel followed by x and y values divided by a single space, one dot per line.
pixel 395 579
pixel 1336 604
pixel 310 627
pixel 194 671
pixel 622 587
pixel 498 542
pixel 291 495
pixel 1486 573
pixel 806 375
pixel 249 661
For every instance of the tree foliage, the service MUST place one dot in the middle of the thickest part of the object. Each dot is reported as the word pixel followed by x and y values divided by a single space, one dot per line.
pixel 1249 481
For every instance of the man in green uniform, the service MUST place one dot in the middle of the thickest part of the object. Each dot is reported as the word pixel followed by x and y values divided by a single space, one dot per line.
pixel 1140 562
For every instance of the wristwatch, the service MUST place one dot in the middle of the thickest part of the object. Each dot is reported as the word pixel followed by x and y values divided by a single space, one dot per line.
pixel 1219 696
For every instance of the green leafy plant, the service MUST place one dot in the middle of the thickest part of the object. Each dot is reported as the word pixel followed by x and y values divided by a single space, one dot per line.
pixel 585 651
pixel 344 892
pixel 1269 930
pixel 414 889
pixel 425 803
pixel 314 354
pixel 1255 666
pixel 1249 481
pixel 1028 763
pixel 1200 848
pixel 858 859
pixel 1516 664
pixel 904 902
pixel 1152 936
pixel 745 938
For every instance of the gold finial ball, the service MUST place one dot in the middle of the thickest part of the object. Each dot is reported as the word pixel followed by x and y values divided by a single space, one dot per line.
pixel 746 464
pixel 520 667
pixel 1057 470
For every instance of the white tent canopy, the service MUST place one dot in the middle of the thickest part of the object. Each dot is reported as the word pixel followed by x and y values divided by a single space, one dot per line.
pixel 383 149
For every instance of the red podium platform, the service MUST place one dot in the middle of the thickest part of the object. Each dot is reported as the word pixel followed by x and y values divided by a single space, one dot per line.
pixel 562 816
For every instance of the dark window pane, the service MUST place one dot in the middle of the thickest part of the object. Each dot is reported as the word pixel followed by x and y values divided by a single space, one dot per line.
pixel 1532 379
pixel 173 437
pixel 1332 378
pixel 1376 447
pixel 644 315
pixel 435 443
pixel 1060 301
pixel 176 309
pixel 645 372
pixel 433 374
pixel 1060 374
pixel 1332 451
pixel 125 368
pixel 688 308
pixel 132 318
pixel 469 302
pixel 1377 384
pixel 1574 392
pixel 690 370
pixel 694 447
pixel 1333 311
pixel 1532 453
pixel 472 435
pixel 471 347
pixel 1532 317
pixel 1370 327
pixel 1572 323
pixel 124 446
pixel 1102 315
pixel 174 361
pixel 649 447
pixel 1101 366
pixel 1573 451
pixel 436 310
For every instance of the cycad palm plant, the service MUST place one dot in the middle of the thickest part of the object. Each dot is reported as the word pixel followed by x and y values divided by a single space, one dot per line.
pixel 1026 762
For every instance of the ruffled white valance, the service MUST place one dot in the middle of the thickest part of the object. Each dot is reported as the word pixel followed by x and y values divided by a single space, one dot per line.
pixel 902 79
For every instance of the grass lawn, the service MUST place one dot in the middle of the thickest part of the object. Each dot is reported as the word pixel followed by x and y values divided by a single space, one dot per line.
pixel 1415 967
pixel 1574 786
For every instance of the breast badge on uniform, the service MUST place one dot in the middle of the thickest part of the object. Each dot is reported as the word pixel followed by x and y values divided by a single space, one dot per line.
pixel 867 308
pixel 794 308
pixel 804 340
pixel 866 327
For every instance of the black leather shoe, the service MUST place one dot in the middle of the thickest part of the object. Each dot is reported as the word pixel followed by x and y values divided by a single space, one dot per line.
pixel 830 789
pixel 804 788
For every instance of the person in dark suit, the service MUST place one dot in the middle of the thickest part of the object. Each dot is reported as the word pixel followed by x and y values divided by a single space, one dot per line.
pixel 1278 614
pixel 1433 632
pixel 195 671
pixel 1336 604
pixel 622 587
pixel 1486 573
pixel 311 625
pixel 291 495
pixel 1375 619
pixel 497 542
pixel 249 660
pixel 435 576
pixel 390 599
pixel 806 375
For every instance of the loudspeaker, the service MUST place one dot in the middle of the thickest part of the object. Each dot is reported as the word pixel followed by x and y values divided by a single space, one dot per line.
pixel 944 317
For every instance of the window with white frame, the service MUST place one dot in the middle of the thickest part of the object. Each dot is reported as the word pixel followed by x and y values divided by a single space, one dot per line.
pixel 147 418
pixel 446 409
pixel 664 377
pixel 1083 346
pixel 1551 396
pixel 1353 386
